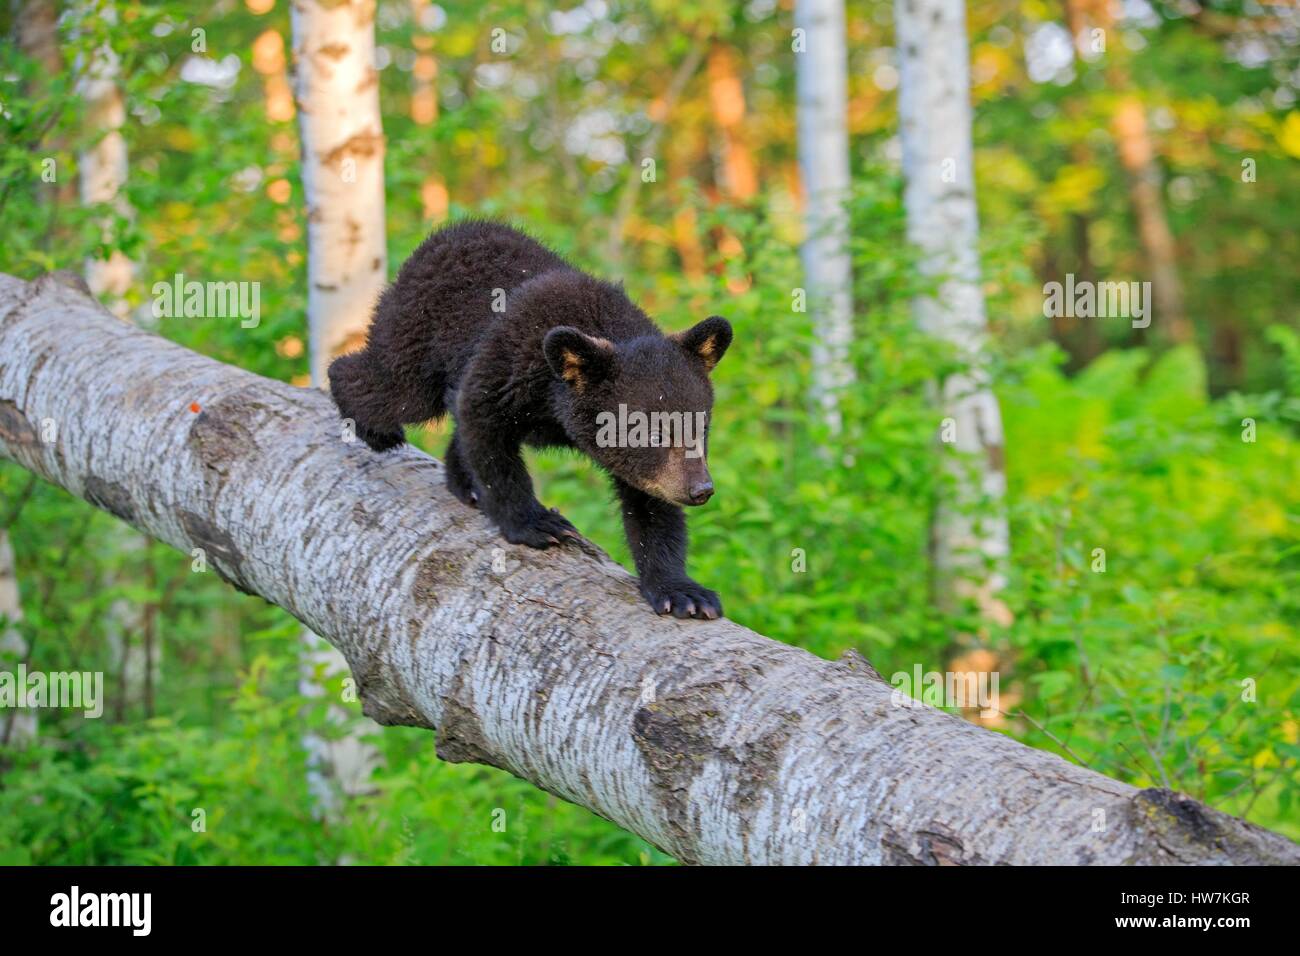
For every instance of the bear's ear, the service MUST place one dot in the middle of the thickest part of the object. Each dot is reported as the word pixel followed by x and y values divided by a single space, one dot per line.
pixel 579 359
pixel 709 340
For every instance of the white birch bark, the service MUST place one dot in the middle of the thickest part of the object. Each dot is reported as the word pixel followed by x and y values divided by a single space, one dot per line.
pixel 710 741
pixel 337 91
pixel 821 72
pixel 13 648
pixel 935 125
pixel 102 166
pixel 35 30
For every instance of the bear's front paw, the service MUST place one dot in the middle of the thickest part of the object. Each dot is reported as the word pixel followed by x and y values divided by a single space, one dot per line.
pixel 682 598
pixel 541 528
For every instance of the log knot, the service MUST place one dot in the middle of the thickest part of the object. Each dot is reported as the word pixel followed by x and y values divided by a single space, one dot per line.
pixel 1175 829
pixel 15 429
pixel 219 550
pixel 680 733
pixel 852 660
pixel 111 497
pixel 438 573
pixel 935 844
pixel 461 738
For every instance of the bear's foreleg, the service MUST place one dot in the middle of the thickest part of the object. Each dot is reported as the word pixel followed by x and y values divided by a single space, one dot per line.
pixel 656 533
pixel 493 455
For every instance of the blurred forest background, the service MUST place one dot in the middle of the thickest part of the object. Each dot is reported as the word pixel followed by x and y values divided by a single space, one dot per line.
pixel 1172 155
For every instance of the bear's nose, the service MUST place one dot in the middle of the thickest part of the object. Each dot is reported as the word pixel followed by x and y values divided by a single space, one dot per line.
pixel 701 492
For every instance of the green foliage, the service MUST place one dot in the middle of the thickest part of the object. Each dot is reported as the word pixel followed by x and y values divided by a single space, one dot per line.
pixel 168 791
pixel 1171 659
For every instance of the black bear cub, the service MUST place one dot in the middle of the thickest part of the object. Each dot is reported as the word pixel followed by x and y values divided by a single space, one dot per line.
pixel 522 348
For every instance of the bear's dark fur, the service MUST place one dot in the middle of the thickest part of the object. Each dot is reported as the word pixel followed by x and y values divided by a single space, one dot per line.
pixel 522 348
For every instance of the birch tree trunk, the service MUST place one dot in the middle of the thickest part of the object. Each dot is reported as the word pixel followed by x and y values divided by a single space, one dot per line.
pixel 337 90
pixel 712 742
pixel 821 72
pixel 969 536
pixel 1138 157
pixel 103 167
pixel 343 181
pixel 18 728
pixel 35 30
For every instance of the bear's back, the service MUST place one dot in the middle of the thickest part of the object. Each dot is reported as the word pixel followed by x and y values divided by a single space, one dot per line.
pixel 442 302
pixel 475 256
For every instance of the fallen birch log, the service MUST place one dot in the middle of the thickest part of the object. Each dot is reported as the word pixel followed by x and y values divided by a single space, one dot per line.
pixel 712 742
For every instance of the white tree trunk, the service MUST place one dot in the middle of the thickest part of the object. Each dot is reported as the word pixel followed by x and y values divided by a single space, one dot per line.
pixel 103 169
pixel 935 125
pixel 337 90
pixel 103 166
pixel 821 71
pixel 19 726
pixel 35 30
pixel 343 182
pixel 710 741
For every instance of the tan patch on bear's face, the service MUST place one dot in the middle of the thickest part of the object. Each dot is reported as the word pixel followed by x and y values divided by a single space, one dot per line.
pixel 673 480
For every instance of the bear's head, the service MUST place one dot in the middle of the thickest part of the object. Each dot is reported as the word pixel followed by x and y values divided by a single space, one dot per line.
pixel 642 408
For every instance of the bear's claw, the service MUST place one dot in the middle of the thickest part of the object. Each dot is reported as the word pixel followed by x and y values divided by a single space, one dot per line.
pixel 682 599
pixel 544 528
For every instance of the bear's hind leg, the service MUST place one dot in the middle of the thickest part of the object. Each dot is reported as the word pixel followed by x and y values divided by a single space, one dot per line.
pixel 460 480
pixel 370 396
pixel 358 393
